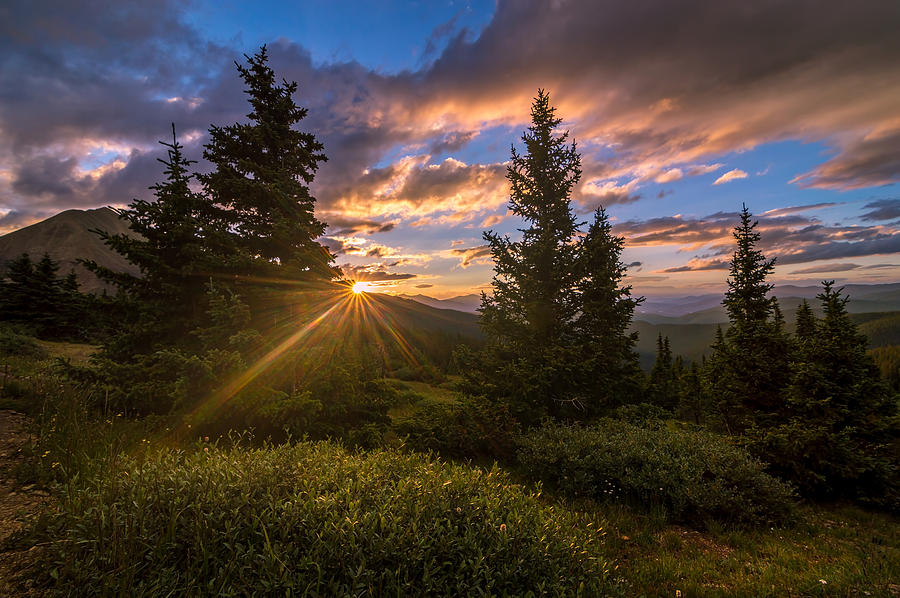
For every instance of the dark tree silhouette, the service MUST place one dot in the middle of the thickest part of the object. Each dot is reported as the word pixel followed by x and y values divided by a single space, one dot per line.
pixel 557 318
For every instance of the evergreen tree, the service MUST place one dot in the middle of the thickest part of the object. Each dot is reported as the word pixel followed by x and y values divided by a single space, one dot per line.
pixel 606 307
pixel 661 390
pixel 528 320
pixel 692 403
pixel 177 241
pixel 33 294
pixel 261 174
pixel 557 320
pixel 752 358
pixel 842 434
pixel 806 322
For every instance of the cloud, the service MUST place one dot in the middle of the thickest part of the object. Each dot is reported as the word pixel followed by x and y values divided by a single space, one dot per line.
pixel 826 268
pixel 492 220
pixel 646 90
pixel 867 162
pixel 675 174
pixel 797 209
pixel 424 286
pixel 701 169
pixel 791 238
pixel 882 209
pixel 351 226
pixel 470 255
pixel 373 273
pixel 696 265
pixel 731 175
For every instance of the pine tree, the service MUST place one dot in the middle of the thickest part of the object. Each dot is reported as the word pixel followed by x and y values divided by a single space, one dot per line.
pixel 662 390
pixel 528 320
pixel 557 320
pixel 178 241
pixel 262 169
pixel 610 361
pixel 806 322
pixel 752 358
pixel 842 417
pixel 692 403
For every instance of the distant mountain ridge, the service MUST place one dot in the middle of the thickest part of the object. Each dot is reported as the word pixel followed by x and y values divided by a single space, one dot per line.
pixel 708 309
pixel 66 237
pixel 465 303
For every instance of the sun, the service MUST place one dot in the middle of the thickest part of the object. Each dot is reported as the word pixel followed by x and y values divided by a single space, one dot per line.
pixel 359 287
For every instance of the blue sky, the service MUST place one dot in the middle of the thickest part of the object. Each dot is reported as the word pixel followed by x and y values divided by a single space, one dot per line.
pixel 682 113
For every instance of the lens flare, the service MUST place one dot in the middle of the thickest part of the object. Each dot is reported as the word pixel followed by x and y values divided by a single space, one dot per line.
pixel 359 287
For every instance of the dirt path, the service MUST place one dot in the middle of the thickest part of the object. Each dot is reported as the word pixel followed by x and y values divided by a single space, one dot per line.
pixel 15 500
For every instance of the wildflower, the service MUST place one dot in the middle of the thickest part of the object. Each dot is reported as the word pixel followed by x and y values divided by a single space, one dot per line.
pixel 206 449
pixel 823 582
pixel 502 527
pixel 206 439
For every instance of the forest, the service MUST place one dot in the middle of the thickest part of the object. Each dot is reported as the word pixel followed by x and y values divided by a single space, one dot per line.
pixel 238 419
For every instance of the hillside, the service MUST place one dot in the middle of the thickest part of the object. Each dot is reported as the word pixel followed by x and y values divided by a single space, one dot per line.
pixel 692 339
pixel 467 303
pixel 66 237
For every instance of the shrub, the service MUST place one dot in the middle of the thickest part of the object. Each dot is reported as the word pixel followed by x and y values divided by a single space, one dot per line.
pixel 315 519
pixel 694 476
pixel 472 427
pixel 13 342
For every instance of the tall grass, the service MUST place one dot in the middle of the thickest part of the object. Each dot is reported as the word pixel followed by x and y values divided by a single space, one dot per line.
pixel 314 519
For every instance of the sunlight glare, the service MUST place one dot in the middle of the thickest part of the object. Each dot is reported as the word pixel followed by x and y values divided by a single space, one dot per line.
pixel 360 287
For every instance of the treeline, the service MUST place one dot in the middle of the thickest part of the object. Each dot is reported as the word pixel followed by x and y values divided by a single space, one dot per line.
pixel 36 299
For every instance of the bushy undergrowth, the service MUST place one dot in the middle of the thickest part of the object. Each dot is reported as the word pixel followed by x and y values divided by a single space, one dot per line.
pixel 470 427
pixel 315 519
pixel 695 476
pixel 14 341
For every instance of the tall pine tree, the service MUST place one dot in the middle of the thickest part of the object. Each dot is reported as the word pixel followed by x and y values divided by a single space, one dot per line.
pixel 261 176
pixel 610 366
pixel 557 320
pixel 751 361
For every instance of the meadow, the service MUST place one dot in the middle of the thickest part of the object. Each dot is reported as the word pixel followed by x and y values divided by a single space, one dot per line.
pixel 148 507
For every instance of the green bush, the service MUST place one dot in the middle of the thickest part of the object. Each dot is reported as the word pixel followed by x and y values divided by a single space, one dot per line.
pixel 315 520
pixel 13 342
pixel 470 428
pixel 694 476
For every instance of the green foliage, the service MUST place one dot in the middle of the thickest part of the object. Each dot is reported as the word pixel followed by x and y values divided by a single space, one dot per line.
pixel 695 476
pixel 663 383
pixel 314 519
pixel 887 359
pixel 13 342
pixel 261 174
pixel 177 243
pixel 471 427
pixel 557 318
pixel 33 296
pixel 748 368
pixel 841 433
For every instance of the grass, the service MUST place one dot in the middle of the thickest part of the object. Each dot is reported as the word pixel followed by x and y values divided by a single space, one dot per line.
pixel 415 394
pixel 140 515
pixel 832 551
pixel 314 519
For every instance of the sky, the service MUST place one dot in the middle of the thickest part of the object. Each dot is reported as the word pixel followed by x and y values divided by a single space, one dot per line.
pixel 682 113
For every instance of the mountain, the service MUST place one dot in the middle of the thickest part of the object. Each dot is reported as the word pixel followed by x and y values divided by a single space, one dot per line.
pixel 408 314
pixel 466 303
pixel 66 237
pixel 708 309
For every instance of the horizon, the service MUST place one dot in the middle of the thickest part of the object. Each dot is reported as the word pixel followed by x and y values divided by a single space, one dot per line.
pixel 417 107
